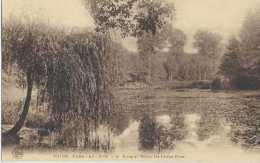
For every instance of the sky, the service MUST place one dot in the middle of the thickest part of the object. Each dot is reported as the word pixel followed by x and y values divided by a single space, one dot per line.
pixel 65 13
pixel 222 16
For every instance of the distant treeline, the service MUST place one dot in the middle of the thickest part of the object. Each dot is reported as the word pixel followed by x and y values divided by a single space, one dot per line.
pixel 234 66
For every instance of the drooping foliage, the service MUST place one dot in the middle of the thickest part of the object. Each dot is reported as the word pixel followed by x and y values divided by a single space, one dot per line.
pixel 67 68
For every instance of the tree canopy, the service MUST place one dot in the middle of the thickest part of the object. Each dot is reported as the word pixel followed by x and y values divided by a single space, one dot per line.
pixel 242 57
pixel 207 43
pixel 130 17
pixel 68 68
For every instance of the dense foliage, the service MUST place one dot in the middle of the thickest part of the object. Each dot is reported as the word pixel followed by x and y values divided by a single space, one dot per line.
pixel 242 57
pixel 67 67
pixel 130 17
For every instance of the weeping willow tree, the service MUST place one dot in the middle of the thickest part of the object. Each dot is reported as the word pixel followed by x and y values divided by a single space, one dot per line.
pixel 67 67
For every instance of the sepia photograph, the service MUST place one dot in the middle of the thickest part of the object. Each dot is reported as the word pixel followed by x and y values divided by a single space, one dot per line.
pixel 130 80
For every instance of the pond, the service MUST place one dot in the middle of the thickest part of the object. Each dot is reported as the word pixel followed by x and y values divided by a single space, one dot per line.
pixel 196 116
pixel 192 123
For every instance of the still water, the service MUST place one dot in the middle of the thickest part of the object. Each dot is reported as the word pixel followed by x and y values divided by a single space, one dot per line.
pixel 195 124
pixel 190 121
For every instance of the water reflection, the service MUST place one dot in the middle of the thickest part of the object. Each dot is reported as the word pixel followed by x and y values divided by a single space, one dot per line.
pixel 127 142
pixel 191 120
pixel 246 124
pixel 148 133
pixel 119 122
pixel 161 132
pixel 194 118
pixel 208 125
pixel 176 121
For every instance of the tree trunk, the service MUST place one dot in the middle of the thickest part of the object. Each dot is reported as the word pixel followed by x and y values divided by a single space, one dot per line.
pixel 19 124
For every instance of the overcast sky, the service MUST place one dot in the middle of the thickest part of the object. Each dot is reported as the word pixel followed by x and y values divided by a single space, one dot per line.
pixel 67 13
pixel 222 16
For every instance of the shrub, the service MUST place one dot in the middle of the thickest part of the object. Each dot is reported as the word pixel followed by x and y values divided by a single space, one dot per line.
pixel 246 82
pixel 201 84
pixel 217 84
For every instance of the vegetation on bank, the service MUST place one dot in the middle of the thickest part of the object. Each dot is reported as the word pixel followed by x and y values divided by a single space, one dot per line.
pixel 66 68
pixel 233 66
pixel 73 71
pixel 241 61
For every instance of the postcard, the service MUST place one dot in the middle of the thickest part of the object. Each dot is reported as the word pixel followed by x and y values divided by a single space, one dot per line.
pixel 130 80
